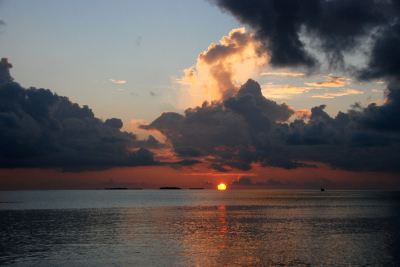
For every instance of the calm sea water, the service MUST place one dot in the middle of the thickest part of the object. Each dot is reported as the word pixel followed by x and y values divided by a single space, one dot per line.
pixel 199 228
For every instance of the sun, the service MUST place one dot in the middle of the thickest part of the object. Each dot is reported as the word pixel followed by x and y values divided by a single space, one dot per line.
pixel 221 187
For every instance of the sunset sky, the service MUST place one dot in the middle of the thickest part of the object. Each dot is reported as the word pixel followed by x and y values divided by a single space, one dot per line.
pixel 321 108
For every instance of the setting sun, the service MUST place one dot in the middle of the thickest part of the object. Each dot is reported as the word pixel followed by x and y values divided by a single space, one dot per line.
pixel 221 187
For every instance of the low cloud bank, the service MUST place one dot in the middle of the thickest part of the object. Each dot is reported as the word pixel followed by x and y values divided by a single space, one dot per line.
pixel 43 130
pixel 247 128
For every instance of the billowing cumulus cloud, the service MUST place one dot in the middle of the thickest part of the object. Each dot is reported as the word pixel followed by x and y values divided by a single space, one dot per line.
pixel 247 129
pixel 223 132
pixel 293 34
pixel 41 129
pixel 222 68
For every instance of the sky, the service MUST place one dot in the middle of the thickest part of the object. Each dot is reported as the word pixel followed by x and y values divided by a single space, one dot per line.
pixel 320 109
pixel 77 47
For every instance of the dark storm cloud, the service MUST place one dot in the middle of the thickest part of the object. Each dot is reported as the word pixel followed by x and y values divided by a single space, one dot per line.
pixel 5 67
pixel 345 141
pixel 250 102
pixel 386 117
pixel 225 130
pixel 385 55
pixel 41 129
pixel 205 128
pixel 336 26
pixel 248 128
pixel 114 123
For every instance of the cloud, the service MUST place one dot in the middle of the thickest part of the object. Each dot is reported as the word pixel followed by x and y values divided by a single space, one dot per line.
pixel 302 114
pixel 286 91
pixel 249 102
pixel 384 61
pixel 335 27
pixel 43 130
pixel 244 181
pixel 296 33
pixel 247 181
pixel 149 138
pixel 332 81
pixel 222 68
pixel 283 91
pixel 206 131
pixel 387 116
pixel 5 67
pixel 114 81
pixel 340 93
pixel 363 139
pixel 114 123
pixel 309 33
pixel 283 74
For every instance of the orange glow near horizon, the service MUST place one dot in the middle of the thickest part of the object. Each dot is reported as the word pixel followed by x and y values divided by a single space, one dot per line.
pixel 221 187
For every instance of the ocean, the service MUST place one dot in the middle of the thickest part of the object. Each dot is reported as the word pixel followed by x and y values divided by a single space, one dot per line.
pixel 199 228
